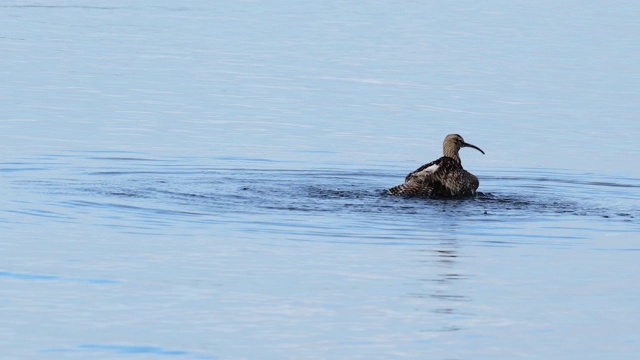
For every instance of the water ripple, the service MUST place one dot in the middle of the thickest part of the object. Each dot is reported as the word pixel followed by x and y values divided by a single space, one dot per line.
pixel 25 276
pixel 129 350
pixel 185 191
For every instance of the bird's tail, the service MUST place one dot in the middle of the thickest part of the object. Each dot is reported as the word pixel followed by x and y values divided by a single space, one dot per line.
pixel 398 190
pixel 411 188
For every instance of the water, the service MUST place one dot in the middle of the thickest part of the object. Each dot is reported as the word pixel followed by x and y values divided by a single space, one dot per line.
pixel 206 181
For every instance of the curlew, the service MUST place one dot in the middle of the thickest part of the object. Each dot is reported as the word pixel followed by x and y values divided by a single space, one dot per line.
pixel 442 178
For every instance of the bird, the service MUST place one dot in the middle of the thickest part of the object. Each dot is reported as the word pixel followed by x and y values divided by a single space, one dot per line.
pixel 441 178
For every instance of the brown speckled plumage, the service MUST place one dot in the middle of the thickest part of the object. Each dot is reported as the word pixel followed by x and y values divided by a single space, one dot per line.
pixel 442 178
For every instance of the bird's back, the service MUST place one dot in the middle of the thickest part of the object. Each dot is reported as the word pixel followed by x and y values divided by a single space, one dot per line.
pixel 444 177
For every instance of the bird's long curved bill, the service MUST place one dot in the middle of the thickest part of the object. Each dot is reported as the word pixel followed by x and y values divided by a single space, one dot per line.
pixel 472 146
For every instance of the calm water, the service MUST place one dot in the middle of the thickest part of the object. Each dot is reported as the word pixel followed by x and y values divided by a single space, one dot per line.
pixel 206 181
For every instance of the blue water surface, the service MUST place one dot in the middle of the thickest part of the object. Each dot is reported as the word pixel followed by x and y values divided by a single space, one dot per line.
pixel 206 180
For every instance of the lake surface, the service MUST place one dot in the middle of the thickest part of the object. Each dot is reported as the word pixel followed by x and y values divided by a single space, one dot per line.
pixel 197 180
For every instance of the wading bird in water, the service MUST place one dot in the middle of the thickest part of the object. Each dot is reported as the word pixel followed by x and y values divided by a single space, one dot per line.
pixel 442 178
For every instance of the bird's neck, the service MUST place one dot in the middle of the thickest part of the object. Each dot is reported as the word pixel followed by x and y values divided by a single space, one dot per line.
pixel 452 152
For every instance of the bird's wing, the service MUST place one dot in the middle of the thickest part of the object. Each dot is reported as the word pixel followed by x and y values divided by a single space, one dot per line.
pixel 425 170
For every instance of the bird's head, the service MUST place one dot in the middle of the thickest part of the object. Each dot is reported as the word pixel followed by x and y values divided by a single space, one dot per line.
pixel 452 143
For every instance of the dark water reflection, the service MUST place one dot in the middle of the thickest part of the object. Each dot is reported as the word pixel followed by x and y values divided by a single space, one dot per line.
pixel 179 190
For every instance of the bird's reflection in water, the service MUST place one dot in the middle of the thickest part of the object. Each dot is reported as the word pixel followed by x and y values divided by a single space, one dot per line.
pixel 440 286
